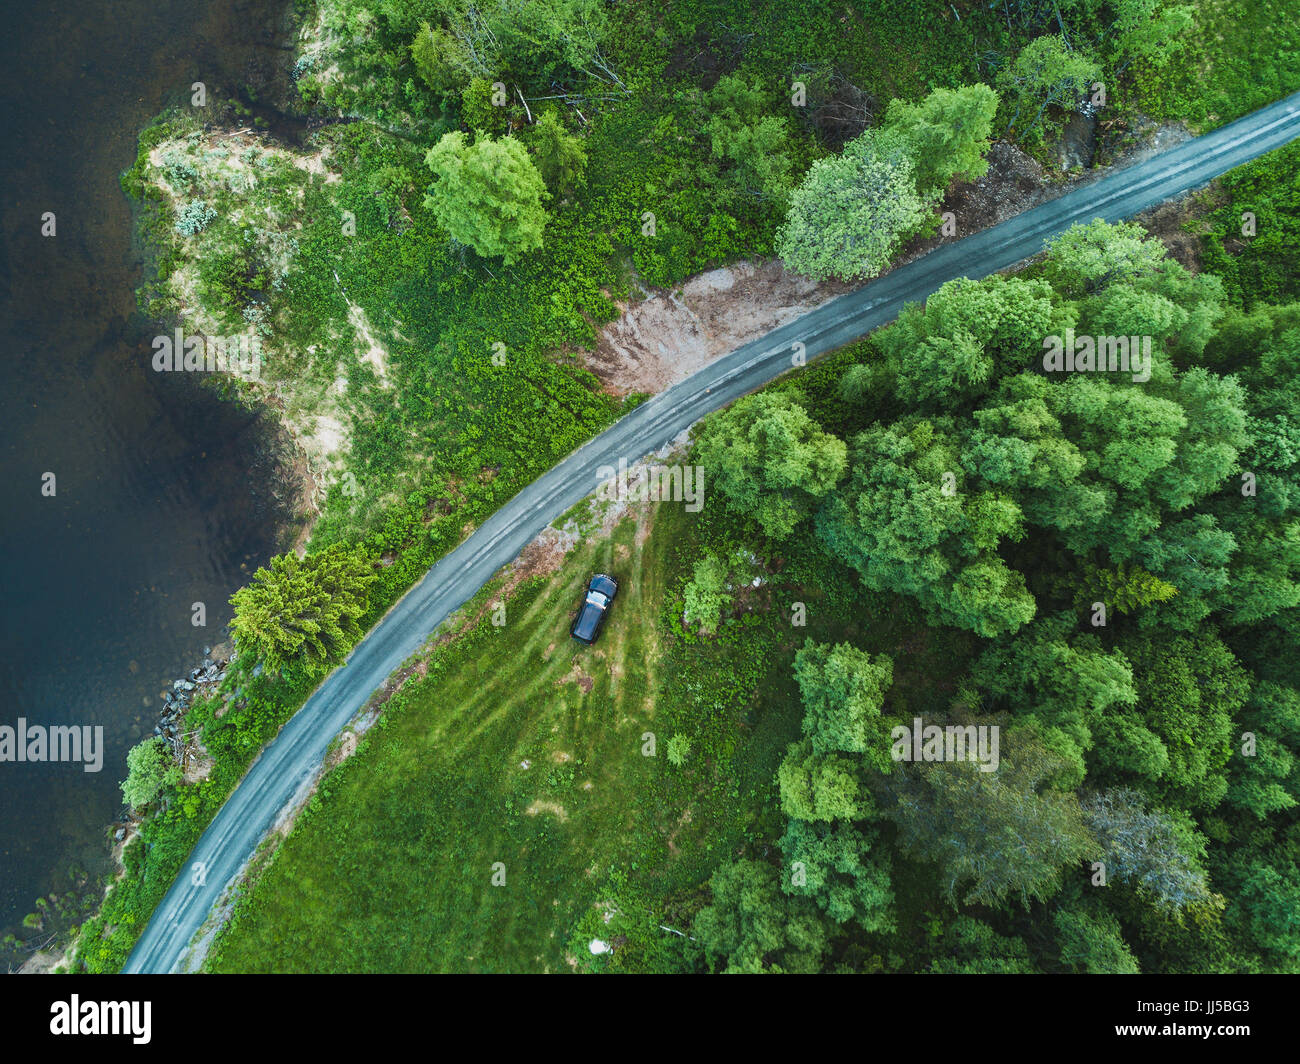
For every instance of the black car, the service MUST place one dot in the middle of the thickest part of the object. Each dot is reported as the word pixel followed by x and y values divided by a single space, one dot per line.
pixel 595 605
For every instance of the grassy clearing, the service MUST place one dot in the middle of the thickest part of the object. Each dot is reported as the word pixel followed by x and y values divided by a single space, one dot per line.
pixel 392 867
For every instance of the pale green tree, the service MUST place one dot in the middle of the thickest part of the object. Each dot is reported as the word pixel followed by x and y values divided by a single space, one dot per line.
pixel 853 210
pixel 148 771
pixel 488 195
pixel 947 134
pixel 706 595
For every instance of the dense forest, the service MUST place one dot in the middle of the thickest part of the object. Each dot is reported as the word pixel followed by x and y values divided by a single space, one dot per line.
pixel 1107 565
pixel 1117 562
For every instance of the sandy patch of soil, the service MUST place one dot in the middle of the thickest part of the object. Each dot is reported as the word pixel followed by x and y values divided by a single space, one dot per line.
pixel 668 336
pixel 373 352
pixel 327 437
pixel 314 163
pixel 346 748
pixel 43 962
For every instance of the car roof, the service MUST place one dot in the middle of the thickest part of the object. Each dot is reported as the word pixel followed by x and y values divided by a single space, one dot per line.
pixel 588 618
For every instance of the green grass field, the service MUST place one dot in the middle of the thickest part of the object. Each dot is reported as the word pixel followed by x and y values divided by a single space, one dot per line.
pixel 392 868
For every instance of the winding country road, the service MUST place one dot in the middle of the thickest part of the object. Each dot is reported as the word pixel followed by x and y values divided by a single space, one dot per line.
pixel 292 758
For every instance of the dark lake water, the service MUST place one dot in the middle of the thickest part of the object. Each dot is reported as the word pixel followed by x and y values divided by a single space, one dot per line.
pixel 164 497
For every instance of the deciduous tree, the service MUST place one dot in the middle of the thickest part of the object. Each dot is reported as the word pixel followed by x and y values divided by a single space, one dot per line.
pixel 770 460
pixel 488 195
pixel 852 211
pixel 843 690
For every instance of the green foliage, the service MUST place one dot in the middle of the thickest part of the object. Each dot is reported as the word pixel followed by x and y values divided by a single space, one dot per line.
pixel 1271 899
pixel 1152 32
pixel 843 691
pixel 677 749
pixel 1062 682
pixel 1232 58
pixel 561 158
pixel 750 926
pixel 1125 589
pixel 707 595
pixel 992 835
pixel 1264 774
pixel 905 524
pixel 744 133
pixel 1092 941
pixel 820 787
pixel 390 185
pixel 194 217
pixel 1153 851
pixel 1047 72
pixel 434 59
pixel 1089 256
pixel 1189 691
pixel 149 772
pixel 971 947
pixel 304 610
pixel 485 108
pixel 488 195
pixel 852 211
pixel 770 460
pixel 947 135
pixel 1260 267
pixel 499 38
pixel 842 869
pixel 965 337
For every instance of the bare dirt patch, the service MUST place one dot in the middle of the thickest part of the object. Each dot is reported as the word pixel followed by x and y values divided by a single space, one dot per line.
pixel 645 523
pixel 374 353
pixel 668 336
pixel 198 764
pixel 576 675
pixel 43 962
pixel 1166 222
pixel 346 748
pixel 554 808
pixel 1014 183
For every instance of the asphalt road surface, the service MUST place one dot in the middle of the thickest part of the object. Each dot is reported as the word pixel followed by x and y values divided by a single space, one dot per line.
pixel 290 760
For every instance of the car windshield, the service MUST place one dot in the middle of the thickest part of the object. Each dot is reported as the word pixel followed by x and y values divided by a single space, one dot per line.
pixel 595 598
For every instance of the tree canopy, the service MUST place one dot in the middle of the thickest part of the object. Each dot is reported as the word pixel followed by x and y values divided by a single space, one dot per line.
pixel 488 195
pixel 304 610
